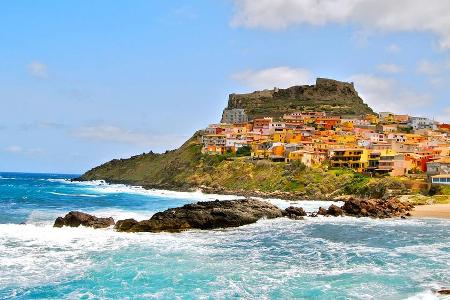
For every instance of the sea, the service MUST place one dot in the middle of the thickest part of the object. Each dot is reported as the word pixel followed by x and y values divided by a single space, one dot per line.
pixel 315 258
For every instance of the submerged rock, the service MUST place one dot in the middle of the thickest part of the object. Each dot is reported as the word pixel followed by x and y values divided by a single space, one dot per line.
pixel 77 218
pixel 204 215
pixel 296 213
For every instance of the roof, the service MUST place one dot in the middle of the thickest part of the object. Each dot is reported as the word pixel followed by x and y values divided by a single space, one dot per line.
pixel 443 160
pixel 441 176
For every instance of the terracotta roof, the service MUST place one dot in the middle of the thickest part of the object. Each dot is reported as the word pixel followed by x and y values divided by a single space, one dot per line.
pixel 443 160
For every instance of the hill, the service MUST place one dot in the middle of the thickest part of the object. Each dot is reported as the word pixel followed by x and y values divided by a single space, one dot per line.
pixel 327 95
pixel 188 169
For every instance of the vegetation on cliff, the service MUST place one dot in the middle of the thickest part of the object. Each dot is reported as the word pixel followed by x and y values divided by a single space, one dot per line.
pixel 187 168
pixel 327 95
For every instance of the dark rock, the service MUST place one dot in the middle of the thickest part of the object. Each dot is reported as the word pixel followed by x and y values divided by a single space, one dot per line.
pixel 335 211
pixel 204 215
pixel 77 218
pixel 444 292
pixel 322 211
pixel 376 208
pixel 296 213
pixel 125 225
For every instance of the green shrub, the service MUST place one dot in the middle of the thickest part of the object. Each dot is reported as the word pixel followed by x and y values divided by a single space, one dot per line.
pixel 244 151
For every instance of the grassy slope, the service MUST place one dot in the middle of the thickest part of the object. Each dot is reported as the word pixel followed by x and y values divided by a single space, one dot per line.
pixel 170 169
pixel 187 168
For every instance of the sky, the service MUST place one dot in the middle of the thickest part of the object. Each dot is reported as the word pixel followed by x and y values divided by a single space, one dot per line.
pixel 83 82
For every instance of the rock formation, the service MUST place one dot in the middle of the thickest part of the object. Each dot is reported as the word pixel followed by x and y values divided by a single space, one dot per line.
pixel 204 215
pixel 374 208
pixel 296 213
pixel 233 213
pixel 77 218
pixel 331 96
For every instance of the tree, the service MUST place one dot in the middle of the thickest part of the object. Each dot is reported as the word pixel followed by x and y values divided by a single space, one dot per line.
pixel 244 151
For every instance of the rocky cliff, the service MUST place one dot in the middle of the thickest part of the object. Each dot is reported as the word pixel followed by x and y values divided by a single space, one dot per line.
pixel 332 96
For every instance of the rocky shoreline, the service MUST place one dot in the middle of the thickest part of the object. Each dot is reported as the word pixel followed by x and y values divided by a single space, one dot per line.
pixel 292 196
pixel 233 213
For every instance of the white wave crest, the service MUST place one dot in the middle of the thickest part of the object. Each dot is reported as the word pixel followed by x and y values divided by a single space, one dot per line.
pixel 75 195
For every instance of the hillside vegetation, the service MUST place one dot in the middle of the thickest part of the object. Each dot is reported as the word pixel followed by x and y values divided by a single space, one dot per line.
pixel 187 168
pixel 327 95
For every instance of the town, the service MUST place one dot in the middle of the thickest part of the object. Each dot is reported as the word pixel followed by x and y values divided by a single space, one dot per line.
pixel 386 143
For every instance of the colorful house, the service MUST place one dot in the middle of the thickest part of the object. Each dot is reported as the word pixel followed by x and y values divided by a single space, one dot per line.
pixel 357 159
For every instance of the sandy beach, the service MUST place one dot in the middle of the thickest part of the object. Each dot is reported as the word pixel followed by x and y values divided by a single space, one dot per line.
pixel 432 211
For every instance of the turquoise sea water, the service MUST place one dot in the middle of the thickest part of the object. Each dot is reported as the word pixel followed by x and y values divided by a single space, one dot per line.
pixel 318 258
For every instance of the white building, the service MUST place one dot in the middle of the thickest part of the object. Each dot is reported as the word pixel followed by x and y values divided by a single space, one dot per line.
pixel 235 115
pixel 421 123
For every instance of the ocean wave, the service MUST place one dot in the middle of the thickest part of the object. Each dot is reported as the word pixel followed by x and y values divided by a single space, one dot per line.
pixel 75 195
pixel 100 186
pixel 278 256
pixel 121 214
pixel 425 295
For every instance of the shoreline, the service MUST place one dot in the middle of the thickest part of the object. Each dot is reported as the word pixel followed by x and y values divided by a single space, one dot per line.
pixel 288 196
pixel 438 211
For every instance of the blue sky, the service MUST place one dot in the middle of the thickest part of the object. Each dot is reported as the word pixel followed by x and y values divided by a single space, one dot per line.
pixel 82 82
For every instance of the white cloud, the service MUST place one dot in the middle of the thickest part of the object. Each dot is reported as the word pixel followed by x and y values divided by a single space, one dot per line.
pixel 38 69
pixel 13 149
pixel 281 77
pixel 393 48
pixel 445 117
pixel 381 15
pixel 113 134
pixel 390 68
pixel 20 150
pixel 383 94
pixel 428 68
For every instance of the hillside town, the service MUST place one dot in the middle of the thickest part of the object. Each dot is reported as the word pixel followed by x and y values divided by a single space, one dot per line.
pixel 386 143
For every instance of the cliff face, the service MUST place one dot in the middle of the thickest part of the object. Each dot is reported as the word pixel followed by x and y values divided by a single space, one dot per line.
pixel 332 96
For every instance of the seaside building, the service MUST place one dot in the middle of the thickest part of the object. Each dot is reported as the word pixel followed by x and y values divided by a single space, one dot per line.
pixel 441 179
pixel 384 145
pixel 235 115
pixel 421 123
pixel 357 159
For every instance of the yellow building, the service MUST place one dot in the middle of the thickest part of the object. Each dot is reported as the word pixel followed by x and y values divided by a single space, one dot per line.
pixel 294 137
pixel 372 119
pixel 345 139
pixel 357 159
pixel 308 158
pixel 279 136
pixel 415 138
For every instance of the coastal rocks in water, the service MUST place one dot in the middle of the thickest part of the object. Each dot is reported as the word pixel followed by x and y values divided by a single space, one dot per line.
pixel 204 215
pixel 335 211
pixel 376 208
pixel 444 292
pixel 296 213
pixel 322 211
pixel 77 218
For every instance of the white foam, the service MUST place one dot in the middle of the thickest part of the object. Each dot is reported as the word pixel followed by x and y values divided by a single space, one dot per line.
pixel 308 205
pixel 120 214
pixel 426 295
pixel 100 186
pixel 75 195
